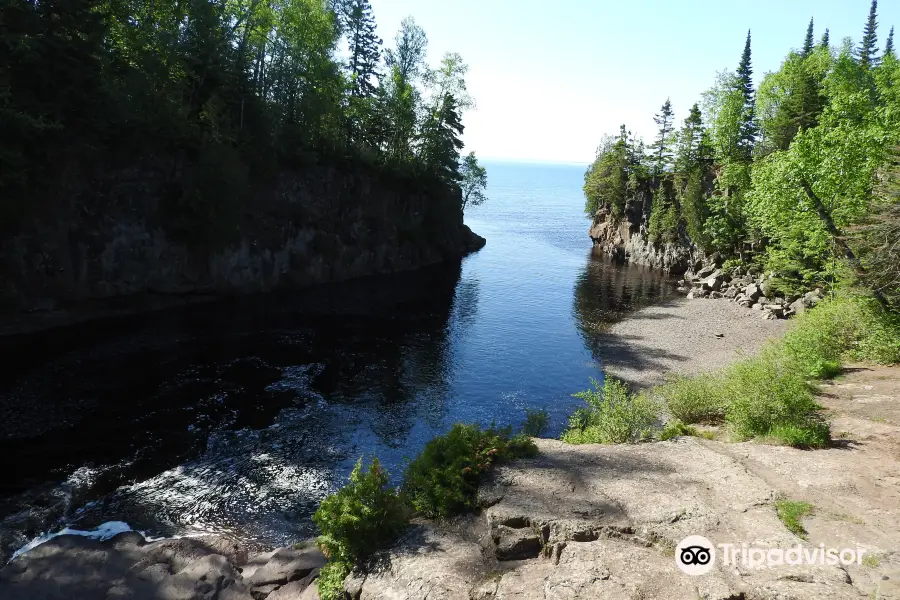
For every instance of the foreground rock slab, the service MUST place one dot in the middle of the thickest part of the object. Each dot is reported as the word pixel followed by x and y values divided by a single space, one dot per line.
pixel 606 520
pixel 72 567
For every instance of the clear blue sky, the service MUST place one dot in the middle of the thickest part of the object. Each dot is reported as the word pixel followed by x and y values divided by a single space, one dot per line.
pixel 550 77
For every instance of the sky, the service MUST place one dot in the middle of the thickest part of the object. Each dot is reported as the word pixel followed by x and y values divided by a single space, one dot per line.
pixel 551 77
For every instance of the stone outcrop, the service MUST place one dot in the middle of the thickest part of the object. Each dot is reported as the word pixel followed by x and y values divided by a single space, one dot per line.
pixel 125 567
pixel 580 522
pixel 321 225
pixel 747 288
pixel 626 239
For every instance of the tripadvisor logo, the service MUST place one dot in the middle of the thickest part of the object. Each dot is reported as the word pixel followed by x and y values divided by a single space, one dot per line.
pixel 696 555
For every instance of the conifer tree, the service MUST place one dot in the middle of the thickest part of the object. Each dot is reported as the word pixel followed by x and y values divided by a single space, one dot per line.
pixel 441 143
pixel 808 42
pixel 826 40
pixel 661 152
pixel 869 43
pixel 749 128
pixel 364 48
pixel 889 45
pixel 693 148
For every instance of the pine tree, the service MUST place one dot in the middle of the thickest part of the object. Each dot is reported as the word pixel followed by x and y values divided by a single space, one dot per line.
pixel 808 42
pixel 869 43
pixel 661 151
pixel 826 40
pixel 441 143
pixel 693 146
pixel 749 127
pixel 889 45
pixel 364 48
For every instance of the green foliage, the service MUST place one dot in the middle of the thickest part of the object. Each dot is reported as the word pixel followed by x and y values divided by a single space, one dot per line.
pixel 612 415
pixel 473 181
pixel 443 480
pixel 365 515
pixel 330 583
pixel 769 392
pixel 674 429
pixel 663 223
pixel 851 327
pixel 696 399
pixel 791 512
pixel 536 422
pixel 89 85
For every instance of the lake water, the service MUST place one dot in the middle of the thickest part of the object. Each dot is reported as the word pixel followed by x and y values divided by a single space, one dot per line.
pixel 241 416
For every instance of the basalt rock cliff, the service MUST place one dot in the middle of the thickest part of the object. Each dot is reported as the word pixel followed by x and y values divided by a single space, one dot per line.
pixel 625 238
pixel 112 240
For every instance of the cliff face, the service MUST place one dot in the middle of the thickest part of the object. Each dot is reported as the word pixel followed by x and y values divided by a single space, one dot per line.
pixel 324 224
pixel 626 239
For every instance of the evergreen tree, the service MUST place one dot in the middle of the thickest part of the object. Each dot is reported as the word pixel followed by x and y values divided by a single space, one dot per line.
pixel 693 148
pixel 889 45
pixel 826 39
pixel 441 143
pixel 749 128
pixel 661 148
pixel 364 48
pixel 869 43
pixel 808 42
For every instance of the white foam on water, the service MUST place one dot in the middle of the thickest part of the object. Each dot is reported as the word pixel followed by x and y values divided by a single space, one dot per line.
pixel 103 532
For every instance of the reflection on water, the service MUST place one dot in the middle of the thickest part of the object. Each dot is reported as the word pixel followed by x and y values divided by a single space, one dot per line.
pixel 605 292
pixel 242 415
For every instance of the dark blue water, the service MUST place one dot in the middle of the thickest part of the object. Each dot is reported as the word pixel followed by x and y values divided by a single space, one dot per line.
pixel 241 416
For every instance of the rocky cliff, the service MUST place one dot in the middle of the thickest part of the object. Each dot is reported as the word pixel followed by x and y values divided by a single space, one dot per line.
pixel 626 239
pixel 320 225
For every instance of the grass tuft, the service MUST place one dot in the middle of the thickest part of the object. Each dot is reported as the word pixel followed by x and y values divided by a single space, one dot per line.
pixel 791 512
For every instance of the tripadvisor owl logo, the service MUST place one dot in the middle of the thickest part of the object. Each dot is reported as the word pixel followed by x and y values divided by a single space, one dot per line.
pixel 695 555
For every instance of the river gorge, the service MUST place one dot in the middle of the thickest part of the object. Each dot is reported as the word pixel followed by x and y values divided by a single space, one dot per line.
pixel 239 416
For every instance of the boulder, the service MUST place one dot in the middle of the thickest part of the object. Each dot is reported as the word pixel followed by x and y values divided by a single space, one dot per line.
pixel 286 565
pixel 516 543
pixel 752 292
pixel 798 306
pixel 706 271
pixel 713 282
pixel 730 292
pixel 757 306
pixel 775 309
pixel 716 295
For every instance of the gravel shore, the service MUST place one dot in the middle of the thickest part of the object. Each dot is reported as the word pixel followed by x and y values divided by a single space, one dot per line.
pixel 685 337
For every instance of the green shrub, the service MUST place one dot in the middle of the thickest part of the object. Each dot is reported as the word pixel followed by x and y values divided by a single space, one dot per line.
pixel 697 399
pixel 770 396
pixel 851 326
pixel 330 583
pixel 536 422
pixel 443 480
pixel 362 517
pixel 675 429
pixel 612 415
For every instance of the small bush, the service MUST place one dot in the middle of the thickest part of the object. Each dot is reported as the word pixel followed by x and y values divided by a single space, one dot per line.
pixel 697 399
pixel 330 583
pixel 790 512
pixel 851 327
pixel 536 422
pixel 675 429
pixel 443 480
pixel 365 515
pixel 612 416
pixel 770 397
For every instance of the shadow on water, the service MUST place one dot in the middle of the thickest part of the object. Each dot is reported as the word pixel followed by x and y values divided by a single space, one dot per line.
pixel 605 292
pixel 236 413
